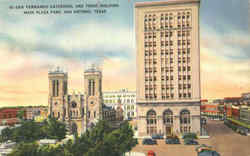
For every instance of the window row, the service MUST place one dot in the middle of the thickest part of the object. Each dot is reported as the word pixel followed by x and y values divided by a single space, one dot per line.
pixel 183 33
pixel 165 52
pixel 5 116
pixel 167 96
pixel 166 43
pixel 150 96
pixel 186 24
pixel 184 86
pixel 166 60
pixel 188 68
pixel 150 88
pixel 149 36
pixel 184 77
pixel 185 95
pixel 167 34
pixel 150 44
pixel 184 42
pixel 184 52
pixel 163 78
pixel 167 69
pixel 170 25
pixel 150 78
pixel 150 53
pixel 183 17
pixel 150 69
pixel 154 61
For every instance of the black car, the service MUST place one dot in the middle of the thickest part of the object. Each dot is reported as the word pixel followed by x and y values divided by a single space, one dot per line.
pixel 243 131
pixel 172 141
pixel 149 142
pixel 208 153
pixel 190 142
pixel 157 136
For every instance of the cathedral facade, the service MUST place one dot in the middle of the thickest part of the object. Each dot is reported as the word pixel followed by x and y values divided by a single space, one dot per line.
pixel 78 111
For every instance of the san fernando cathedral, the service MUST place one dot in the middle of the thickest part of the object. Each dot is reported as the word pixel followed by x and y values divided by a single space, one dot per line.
pixel 78 111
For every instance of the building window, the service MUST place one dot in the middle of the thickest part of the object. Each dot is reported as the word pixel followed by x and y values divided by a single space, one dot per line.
pixel 185 121
pixel 54 87
pixel 151 122
pixel 168 117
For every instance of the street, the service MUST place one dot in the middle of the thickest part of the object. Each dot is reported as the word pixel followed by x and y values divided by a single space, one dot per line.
pixel 222 139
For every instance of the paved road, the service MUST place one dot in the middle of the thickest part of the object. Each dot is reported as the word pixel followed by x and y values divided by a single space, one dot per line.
pixel 226 141
pixel 223 139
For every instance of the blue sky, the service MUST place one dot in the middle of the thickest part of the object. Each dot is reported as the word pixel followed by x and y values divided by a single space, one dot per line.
pixel 32 44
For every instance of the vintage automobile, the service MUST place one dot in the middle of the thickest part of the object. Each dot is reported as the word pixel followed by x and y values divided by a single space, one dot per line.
pixel 172 140
pixel 190 142
pixel 149 141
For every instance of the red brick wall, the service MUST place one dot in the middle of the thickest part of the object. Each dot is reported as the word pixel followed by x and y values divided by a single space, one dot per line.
pixel 9 115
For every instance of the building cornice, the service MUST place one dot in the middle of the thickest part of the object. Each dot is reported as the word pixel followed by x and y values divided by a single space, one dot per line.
pixel 169 104
pixel 162 3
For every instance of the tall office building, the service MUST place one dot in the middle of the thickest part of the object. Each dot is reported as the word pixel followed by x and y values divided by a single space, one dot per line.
pixel 168 67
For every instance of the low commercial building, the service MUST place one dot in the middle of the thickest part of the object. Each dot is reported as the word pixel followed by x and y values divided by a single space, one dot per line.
pixel 245 115
pixel 127 99
pixel 8 116
pixel 212 109
pixel 246 98
pixel 35 112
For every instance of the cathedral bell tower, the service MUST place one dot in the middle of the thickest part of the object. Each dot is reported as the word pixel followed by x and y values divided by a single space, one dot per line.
pixel 58 88
pixel 93 96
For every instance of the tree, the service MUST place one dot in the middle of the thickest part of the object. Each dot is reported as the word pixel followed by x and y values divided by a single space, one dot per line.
pixel 25 149
pixel 20 114
pixel 54 129
pixel 29 131
pixel 102 140
pixel 5 134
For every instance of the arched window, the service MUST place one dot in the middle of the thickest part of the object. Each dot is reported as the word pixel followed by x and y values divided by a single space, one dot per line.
pixel 151 122
pixel 168 117
pixel 185 121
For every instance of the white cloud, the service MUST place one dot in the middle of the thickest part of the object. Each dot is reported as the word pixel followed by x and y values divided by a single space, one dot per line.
pixel 96 36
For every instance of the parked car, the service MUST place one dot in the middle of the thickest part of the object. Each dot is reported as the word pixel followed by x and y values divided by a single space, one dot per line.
pixel 149 142
pixel 243 131
pixel 208 153
pixel 157 136
pixel 190 142
pixel 172 140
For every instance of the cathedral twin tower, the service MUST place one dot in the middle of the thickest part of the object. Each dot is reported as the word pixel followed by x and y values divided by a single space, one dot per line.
pixel 79 111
